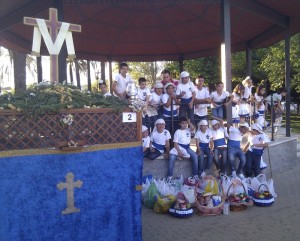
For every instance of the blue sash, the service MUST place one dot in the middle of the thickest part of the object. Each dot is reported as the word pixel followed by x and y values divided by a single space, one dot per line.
pixel 204 145
pixel 219 142
pixel 261 112
pixel 233 143
pixel 169 113
pixel 219 103
pixel 158 146
pixel 258 152
pixel 234 104
pixel 186 101
pixel 187 146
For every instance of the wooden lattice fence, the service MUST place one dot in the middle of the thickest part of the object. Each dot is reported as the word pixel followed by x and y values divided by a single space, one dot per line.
pixel 90 126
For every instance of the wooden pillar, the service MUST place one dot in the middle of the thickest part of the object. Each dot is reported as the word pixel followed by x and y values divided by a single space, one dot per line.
pixel 249 62
pixel 226 52
pixel 62 63
pixel 103 71
pixel 39 69
pixel 180 63
pixel 110 76
pixel 288 82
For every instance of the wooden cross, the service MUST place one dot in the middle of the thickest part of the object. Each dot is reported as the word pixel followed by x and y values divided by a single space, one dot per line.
pixel 53 25
pixel 70 185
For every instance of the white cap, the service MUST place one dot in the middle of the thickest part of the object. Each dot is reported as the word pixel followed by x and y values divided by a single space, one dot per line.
pixel 184 74
pixel 159 85
pixel 257 128
pixel 167 85
pixel 244 124
pixel 160 121
pixel 213 122
pixel 203 123
pixel 144 128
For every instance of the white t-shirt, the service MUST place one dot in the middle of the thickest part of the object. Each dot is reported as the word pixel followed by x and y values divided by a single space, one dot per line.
pixel 203 137
pixel 167 110
pixel 107 94
pixel 201 109
pixel 276 98
pixel 235 134
pixel 154 103
pixel 219 134
pixel 182 136
pixel 247 92
pixel 122 82
pixel 260 99
pixel 143 93
pixel 257 139
pixel 189 89
pixel 218 98
pixel 160 138
pixel 146 142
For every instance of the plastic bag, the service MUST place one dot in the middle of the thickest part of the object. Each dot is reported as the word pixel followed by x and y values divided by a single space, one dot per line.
pixel 145 187
pixel 189 193
pixel 263 165
pixel 163 204
pixel 226 182
pixel 151 196
pixel 212 186
pixel 271 187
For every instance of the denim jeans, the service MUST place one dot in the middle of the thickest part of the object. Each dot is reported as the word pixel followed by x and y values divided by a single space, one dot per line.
pixel 218 112
pixel 252 164
pixel 193 158
pixel 234 152
pixel 153 155
pixel 201 165
pixel 221 162
pixel 186 111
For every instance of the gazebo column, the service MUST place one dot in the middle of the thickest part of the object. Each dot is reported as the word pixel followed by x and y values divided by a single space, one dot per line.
pixel 39 69
pixel 103 70
pixel 62 63
pixel 180 63
pixel 288 82
pixel 110 76
pixel 249 61
pixel 226 52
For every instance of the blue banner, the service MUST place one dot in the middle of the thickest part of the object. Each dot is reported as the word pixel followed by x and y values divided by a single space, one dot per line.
pixel 96 188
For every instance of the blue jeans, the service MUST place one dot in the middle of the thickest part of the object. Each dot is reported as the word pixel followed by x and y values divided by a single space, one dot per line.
pixel 221 162
pixel 153 155
pixel 218 112
pixel 201 165
pixel 234 152
pixel 193 158
pixel 252 164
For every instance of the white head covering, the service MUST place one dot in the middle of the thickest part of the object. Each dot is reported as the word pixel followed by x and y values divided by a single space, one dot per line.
pixel 213 122
pixel 257 128
pixel 167 85
pixel 184 74
pixel 158 121
pixel 159 85
pixel 245 124
pixel 202 123
pixel 144 128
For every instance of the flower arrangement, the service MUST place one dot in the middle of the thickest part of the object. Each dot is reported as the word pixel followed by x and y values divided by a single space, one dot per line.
pixel 66 119
pixel 138 105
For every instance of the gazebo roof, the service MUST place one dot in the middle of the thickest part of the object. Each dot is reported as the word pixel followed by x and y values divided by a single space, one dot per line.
pixel 147 30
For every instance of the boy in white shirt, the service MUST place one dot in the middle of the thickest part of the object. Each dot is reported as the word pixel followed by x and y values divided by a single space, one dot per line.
pixel 205 145
pixel 170 107
pixel 121 81
pixel 143 93
pixel 154 109
pixel 220 135
pixel 103 88
pixel 202 100
pixel 234 148
pixel 160 141
pixel 219 101
pixel 257 141
pixel 182 149
pixel 145 141
pixel 186 93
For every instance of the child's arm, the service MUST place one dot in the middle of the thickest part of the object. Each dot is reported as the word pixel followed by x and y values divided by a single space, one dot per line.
pixel 246 146
pixel 192 127
pixel 211 144
pixel 261 145
pixel 176 146
pixel 191 104
pixel 230 100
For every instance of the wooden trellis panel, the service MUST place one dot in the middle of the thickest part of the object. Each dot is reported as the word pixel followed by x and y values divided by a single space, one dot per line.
pixel 92 126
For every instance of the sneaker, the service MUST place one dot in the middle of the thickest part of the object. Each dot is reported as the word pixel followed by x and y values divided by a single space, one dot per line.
pixel 169 178
pixel 203 174
pixel 241 176
pixel 233 174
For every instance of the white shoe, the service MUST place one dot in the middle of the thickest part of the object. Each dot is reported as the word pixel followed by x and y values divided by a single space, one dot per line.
pixel 241 176
pixel 169 178
pixel 203 174
pixel 233 174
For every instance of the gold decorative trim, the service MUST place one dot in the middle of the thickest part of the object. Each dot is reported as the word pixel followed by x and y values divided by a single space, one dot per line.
pixel 99 147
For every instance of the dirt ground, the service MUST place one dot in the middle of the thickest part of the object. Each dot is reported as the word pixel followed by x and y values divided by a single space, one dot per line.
pixel 280 222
